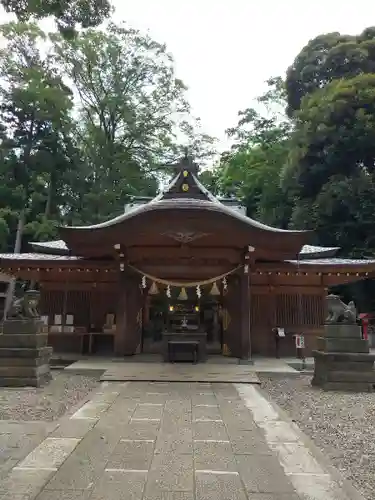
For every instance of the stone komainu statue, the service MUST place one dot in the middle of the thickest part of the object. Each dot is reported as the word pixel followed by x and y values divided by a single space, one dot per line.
pixel 338 312
pixel 25 307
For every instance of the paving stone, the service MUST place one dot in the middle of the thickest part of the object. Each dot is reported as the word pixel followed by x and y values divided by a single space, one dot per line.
pixel 148 411
pixel 263 474
pixel 118 414
pixel 171 472
pixel 180 443
pixel 73 428
pixel 219 487
pixel 279 431
pixel 156 494
pixel 209 430
pixel 295 458
pixel 206 413
pixel 317 487
pixel 131 455
pixel 51 453
pixel 179 406
pixel 105 397
pixel 90 410
pixel 24 482
pixel 248 442
pixel 64 495
pixel 87 463
pixel 274 496
pixel 119 486
pixel 203 399
pixel 27 428
pixel 138 430
pixel 214 456
pixel 7 466
pixel 18 446
pixel 239 420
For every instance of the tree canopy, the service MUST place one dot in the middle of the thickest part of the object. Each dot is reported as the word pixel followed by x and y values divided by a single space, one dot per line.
pixel 68 14
pixel 328 57
pixel 85 124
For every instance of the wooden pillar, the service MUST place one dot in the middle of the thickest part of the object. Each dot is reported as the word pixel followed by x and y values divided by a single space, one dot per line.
pixel 121 317
pixel 245 313
pixel 129 313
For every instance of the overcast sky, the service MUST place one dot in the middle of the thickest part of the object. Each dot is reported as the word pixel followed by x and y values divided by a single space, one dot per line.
pixel 225 49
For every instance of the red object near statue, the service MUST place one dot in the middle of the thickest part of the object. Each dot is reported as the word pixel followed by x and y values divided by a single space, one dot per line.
pixel 365 318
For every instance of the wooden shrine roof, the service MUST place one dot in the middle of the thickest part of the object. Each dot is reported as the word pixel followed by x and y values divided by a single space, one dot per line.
pixel 184 206
pixel 60 248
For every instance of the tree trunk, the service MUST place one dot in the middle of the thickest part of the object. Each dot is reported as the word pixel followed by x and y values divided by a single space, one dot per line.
pixel 17 249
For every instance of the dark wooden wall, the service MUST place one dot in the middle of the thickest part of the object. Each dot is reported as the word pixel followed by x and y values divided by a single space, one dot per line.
pixel 296 309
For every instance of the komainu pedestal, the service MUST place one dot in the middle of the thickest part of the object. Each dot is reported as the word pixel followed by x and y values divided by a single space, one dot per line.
pixel 24 354
pixel 342 361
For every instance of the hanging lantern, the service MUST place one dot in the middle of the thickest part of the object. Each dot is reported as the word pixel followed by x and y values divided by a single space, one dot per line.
pixel 168 292
pixel 183 294
pixel 225 284
pixel 153 289
pixel 199 292
pixel 144 284
pixel 215 290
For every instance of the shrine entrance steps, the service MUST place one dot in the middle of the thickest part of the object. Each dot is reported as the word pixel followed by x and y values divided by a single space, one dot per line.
pixel 150 368
pixel 180 372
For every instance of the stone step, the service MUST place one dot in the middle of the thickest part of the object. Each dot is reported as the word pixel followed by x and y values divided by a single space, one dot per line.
pixel 21 326
pixel 342 345
pixel 23 371
pixel 37 361
pixel 38 381
pixel 25 352
pixel 35 340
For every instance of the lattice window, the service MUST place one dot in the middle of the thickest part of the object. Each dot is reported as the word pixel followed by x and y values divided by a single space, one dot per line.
pixel 296 309
pixel 260 310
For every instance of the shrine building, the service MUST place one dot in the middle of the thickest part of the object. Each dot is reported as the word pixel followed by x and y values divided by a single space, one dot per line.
pixel 183 265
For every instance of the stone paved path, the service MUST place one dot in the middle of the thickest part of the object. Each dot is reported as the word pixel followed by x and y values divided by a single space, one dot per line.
pixel 170 441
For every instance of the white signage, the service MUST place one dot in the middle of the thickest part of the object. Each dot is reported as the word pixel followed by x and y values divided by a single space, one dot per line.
pixel 300 342
pixel 281 332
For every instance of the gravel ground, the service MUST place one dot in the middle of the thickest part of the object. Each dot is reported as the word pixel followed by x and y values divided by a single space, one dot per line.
pixel 341 424
pixel 46 403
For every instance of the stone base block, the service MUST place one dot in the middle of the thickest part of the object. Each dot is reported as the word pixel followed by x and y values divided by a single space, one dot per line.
pixel 341 331
pixel 24 352
pixel 24 355
pixel 24 340
pixel 25 362
pixel 39 381
pixel 347 345
pixel 21 326
pixel 344 371
pixel 24 371
pixel 344 386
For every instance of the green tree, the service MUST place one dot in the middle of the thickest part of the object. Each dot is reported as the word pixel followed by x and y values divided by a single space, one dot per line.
pixel 68 14
pixel 330 169
pixel 334 135
pixel 129 98
pixel 329 57
pixel 251 170
pixel 35 105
